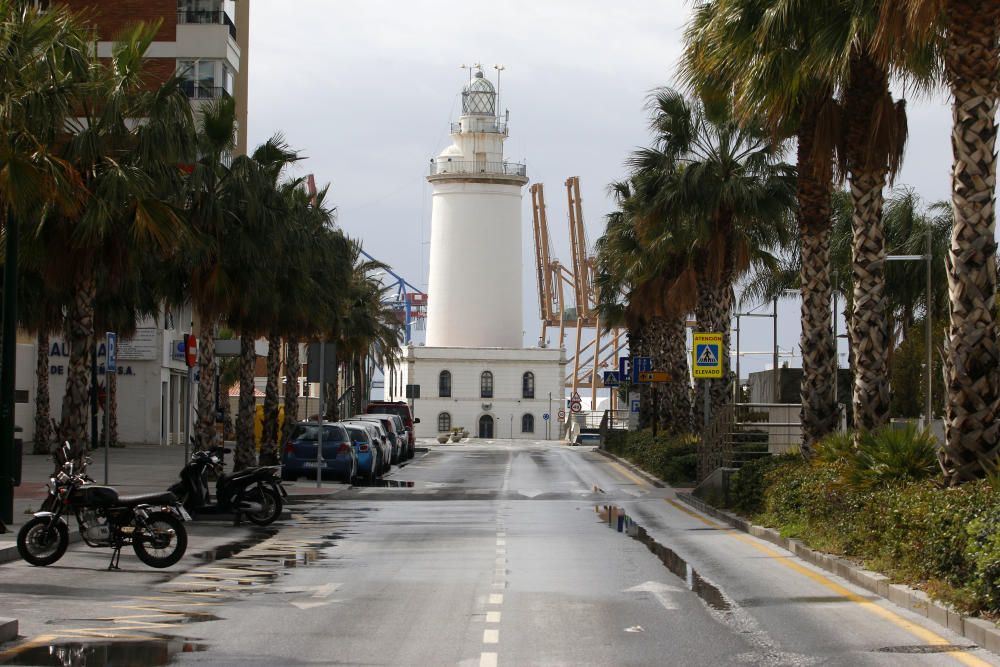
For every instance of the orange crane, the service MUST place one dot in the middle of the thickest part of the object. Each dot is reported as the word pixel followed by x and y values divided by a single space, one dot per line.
pixel 554 278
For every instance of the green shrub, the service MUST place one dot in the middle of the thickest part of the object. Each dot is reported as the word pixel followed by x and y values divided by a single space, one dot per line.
pixel 746 487
pixel 834 448
pixel 893 455
pixel 672 458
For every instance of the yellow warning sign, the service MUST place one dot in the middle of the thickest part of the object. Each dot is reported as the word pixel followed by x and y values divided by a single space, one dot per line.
pixel 706 355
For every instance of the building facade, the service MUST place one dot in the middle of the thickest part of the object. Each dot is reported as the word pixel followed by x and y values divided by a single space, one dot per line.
pixel 474 372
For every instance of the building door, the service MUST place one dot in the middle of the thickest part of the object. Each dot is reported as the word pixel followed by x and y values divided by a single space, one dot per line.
pixel 486 426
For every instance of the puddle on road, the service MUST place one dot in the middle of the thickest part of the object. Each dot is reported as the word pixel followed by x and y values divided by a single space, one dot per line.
pixel 617 519
pixel 388 484
pixel 119 653
pixel 232 548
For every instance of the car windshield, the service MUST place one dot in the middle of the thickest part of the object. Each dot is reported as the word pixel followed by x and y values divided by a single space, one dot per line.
pixel 308 432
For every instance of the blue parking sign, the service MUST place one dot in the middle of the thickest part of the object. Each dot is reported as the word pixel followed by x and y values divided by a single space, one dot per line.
pixel 641 365
pixel 111 361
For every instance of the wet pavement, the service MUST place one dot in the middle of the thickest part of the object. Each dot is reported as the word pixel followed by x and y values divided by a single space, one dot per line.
pixel 483 554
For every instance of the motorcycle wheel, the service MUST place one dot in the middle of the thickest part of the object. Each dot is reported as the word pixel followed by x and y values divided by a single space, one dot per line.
pixel 271 501
pixel 155 545
pixel 41 544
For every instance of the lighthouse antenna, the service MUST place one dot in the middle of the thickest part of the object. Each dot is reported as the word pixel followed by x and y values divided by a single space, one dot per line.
pixel 498 68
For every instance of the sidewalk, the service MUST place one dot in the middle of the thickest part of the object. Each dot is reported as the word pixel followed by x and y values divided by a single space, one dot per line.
pixel 133 470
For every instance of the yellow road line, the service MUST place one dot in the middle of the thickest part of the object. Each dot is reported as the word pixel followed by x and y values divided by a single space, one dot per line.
pixel 791 563
pixel 628 473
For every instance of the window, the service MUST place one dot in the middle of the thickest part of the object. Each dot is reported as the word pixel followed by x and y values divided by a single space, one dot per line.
pixel 528 424
pixel 200 80
pixel 444 384
pixel 486 385
pixel 444 422
pixel 528 385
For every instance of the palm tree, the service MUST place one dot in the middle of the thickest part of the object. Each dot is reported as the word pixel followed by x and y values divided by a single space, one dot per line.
pixel 642 285
pixel 130 183
pixel 967 31
pixel 719 189
pixel 739 48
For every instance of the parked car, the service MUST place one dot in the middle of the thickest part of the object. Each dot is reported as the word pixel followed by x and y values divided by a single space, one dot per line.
pixel 339 458
pixel 369 453
pixel 401 408
pixel 399 428
pixel 395 437
pixel 380 440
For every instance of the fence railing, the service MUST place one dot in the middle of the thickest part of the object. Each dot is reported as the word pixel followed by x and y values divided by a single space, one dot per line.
pixel 496 126
pixel 207 17
pixel 476 167
pixel 742 432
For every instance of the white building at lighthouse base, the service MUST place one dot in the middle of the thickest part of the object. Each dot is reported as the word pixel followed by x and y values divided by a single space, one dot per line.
pixel 490 392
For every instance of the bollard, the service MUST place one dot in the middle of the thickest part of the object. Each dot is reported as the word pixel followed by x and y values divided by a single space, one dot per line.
pixel 621 523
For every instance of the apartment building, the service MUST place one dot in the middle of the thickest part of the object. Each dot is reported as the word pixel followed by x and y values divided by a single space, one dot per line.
pixel 207 42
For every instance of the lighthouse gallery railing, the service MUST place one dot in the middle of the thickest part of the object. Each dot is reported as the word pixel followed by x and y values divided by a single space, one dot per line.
pixel 473 167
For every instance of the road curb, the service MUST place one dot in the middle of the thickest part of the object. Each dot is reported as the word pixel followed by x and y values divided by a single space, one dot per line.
pixel 655 481
pixel 8 629
pixel 981 632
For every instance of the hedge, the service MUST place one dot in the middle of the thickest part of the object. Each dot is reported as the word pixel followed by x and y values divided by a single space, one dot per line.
pixel 672 458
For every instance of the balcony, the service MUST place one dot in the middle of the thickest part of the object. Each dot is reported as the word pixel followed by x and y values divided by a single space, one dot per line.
pixel 205 17
pixel 494 126
pixel 198 91
pixel 479 168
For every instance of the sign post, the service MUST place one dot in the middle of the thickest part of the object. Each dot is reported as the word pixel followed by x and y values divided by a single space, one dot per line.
pixel 190 359
pixel 706 363
pixel 110 366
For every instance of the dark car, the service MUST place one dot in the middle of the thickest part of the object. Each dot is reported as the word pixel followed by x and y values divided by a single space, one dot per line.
pixel 401 408
pixel 396 438
pixel 339 458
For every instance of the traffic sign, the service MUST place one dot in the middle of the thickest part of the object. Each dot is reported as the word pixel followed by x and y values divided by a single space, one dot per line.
pixel 576 396
pixel 561 414
pixel 623 369
pixel 111 360
pixel 635 405
pixel 545 416
pixel 190 350
pixel 707 355
pixel 640 365
pixel 654 376
pixel 611 379
pixel 575 406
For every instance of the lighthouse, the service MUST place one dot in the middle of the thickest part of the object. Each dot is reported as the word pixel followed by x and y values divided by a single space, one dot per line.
pixel 475 260
pixel 474 375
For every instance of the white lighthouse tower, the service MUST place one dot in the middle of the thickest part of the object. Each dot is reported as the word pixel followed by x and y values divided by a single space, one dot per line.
pixel 475 264
pixel 474 373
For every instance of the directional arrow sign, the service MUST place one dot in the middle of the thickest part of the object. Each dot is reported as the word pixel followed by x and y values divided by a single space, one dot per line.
pixel 661 592
pixel 654 376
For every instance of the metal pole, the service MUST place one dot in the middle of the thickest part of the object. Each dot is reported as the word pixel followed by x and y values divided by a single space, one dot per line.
pixel 187 404
pixel 319 416
pixel 107 426
pixel 7 373
pixel 777 383
pixel 738 329
pixel 707 402
pixel 836 350
pixel 95 435
pixel 929 333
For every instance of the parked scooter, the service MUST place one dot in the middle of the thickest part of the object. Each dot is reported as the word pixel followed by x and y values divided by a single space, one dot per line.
pixel 152 524
pixel 255 492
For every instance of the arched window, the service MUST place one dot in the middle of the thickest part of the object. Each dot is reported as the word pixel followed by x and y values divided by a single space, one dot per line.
pixel 486 385
pixel 528 385
pixel 528 423
pixel 444 422
pixel 444 384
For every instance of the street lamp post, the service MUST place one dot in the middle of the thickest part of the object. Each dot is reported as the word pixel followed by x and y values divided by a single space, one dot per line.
pixel 927 258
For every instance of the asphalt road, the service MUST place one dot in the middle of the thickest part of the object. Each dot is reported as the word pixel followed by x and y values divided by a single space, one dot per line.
pixel 495 553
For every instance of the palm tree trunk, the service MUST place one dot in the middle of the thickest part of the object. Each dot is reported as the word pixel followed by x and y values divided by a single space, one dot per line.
pixel 43 409
pixel 869 330
pixel 638 347
pixel 819 409
pixel 292 370
pixel 244 456
pixel 713 312
pixel 205 435
pixel 972 353
pixel 109 433
pixel 269 438
pixel 667 348
pixel 80 338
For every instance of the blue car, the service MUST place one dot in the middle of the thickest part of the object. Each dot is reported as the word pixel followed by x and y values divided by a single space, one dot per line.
pixel 369 464
pixel 339 458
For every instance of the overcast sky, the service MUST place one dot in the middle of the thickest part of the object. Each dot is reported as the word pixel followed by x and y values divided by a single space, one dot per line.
pixel 366 89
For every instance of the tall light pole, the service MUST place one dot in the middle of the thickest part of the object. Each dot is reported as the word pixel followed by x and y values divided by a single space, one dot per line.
pixel 927 258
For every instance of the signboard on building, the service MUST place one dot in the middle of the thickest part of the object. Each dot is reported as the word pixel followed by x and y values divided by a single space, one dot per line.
pixel 140 347
pixel 706 353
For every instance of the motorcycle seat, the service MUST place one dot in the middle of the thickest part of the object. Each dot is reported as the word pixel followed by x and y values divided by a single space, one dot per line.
pixel 165 498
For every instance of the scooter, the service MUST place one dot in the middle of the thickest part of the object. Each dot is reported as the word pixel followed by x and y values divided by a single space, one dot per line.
pixel 255 492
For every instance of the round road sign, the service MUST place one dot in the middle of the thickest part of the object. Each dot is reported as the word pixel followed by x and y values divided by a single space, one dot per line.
pixel 575 405
pixel 561 414
pixel 545 416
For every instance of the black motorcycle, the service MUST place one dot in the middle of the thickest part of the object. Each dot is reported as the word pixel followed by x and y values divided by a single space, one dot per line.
pixel 152 524
pixel 255 493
